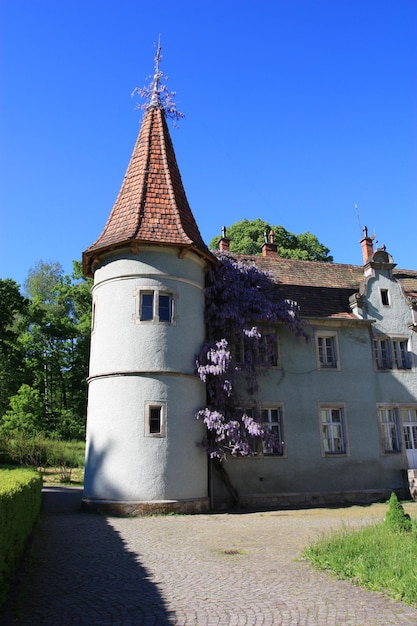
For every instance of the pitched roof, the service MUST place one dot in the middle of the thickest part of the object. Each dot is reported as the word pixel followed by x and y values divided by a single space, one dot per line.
pixel 322 289
pixel 151 206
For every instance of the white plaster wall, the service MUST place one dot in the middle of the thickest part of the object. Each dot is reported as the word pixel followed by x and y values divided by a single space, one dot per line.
pixel 123 464
pixel 302 387
pixel 133 363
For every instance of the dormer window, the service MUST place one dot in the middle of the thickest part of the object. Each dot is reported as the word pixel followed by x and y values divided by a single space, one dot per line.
pixel 385 297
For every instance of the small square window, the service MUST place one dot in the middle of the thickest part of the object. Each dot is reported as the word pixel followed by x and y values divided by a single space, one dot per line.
pixel 153 305
pixel 265 354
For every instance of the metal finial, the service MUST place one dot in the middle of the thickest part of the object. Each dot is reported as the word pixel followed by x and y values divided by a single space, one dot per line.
pixel 224 232
pixel 155 100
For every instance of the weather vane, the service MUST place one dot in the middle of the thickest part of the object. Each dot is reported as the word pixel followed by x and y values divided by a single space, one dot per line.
pixel 156 94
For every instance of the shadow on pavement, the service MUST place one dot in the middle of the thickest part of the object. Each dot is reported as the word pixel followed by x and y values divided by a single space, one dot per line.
pixel 80 571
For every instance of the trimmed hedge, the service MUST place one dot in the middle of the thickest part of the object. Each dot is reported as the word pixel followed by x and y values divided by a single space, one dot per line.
pixel 20 501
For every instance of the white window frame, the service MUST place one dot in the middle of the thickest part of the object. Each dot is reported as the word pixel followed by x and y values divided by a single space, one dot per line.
pixel 156 293
pixel 401 353
pixel 150 407
pixel 330 343
pixel 389 428
pixel 329 426
pixel 408 415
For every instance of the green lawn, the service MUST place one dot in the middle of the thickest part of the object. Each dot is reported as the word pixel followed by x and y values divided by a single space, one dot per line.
pixel 377 557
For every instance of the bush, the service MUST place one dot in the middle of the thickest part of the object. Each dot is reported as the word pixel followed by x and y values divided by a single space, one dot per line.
pixel 20 501
pixel 396 519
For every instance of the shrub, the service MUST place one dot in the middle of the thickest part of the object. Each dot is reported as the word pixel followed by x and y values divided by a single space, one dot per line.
pixel 396 518
pixel 20 500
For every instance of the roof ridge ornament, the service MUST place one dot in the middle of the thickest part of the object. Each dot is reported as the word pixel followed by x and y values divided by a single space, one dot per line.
pixel 155 99
pixel 156 94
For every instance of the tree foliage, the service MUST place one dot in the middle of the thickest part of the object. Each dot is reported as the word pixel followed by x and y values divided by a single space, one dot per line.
pixel 51 336
pixel 13 317
pixel 248 236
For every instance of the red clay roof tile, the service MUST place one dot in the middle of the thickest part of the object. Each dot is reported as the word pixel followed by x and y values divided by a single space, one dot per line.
pixel 151 206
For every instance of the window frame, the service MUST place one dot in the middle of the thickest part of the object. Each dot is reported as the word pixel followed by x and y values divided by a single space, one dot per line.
pixel 157 293
pixel 151 406
pixel 323 364
pixel 385 432
pixel 392 353
pixel 259 449
pixel 409 424
pixel 329 408
pixel 271 351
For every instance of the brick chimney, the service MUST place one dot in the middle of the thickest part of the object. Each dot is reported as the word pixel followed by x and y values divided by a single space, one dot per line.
pixel 367 246
pixel 270 248
pixel 224 242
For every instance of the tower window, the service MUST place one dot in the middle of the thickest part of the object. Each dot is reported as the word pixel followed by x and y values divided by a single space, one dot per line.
pixel 155 419
pixel 153 305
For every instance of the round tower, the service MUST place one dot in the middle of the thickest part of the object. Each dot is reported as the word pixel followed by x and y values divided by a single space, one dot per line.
pixel 149 266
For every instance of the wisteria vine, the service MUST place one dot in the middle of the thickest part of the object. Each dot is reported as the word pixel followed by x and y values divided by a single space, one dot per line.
pixel 243 306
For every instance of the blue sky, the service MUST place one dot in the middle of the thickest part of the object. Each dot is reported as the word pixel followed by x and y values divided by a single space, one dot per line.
pixel 296 110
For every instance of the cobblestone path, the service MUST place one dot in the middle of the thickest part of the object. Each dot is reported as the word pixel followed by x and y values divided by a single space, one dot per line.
pixel 203 570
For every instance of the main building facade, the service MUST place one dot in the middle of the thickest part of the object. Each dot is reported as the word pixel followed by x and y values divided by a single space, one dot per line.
pixel 344 403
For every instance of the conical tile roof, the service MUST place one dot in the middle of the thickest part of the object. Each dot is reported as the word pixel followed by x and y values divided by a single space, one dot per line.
pixel 151 207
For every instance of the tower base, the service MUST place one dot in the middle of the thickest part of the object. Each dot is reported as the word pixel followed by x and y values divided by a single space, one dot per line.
pixel 155 507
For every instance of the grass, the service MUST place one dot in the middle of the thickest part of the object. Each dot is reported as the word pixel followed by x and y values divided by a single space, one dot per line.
pixel 376 557
pixel 62 476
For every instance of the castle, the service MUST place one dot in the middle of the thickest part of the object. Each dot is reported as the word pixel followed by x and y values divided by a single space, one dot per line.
pixel 344 403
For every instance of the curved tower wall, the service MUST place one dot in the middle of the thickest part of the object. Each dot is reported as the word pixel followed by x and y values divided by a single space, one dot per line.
pixel 135 365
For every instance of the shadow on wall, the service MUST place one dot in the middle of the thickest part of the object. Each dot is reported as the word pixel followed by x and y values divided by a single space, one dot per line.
pixel 96 484
pixel 81 572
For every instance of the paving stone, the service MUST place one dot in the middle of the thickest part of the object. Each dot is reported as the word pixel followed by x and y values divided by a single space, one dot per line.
pixel 201 570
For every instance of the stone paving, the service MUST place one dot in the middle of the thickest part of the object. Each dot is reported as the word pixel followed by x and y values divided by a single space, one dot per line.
pixel 203 570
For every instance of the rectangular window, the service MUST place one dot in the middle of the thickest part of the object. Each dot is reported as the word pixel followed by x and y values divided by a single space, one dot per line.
pixel 155 306
pixel 401 357
pixel 155 419
pixel 388 423
pixel 382 354
pixel 391 353
pixel 265 354
pixel 272 421
pixel 384 297
pixel 146 306
pixel 327 351
pixel 409 422
pixel 332 430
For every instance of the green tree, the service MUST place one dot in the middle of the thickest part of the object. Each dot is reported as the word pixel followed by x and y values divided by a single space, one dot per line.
pixel 13 318
pixel 26 416
pixel 56 344
pixel 248 236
